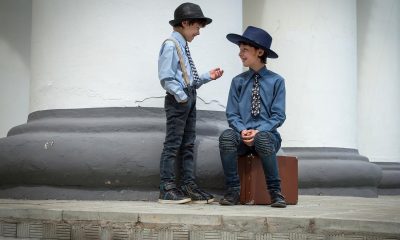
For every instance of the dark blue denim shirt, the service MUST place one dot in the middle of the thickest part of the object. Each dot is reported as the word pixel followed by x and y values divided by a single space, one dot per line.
pixel 272 92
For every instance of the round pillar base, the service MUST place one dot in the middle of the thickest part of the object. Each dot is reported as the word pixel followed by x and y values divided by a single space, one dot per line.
pixel 117 150
pixel 335 171
pixel 390 183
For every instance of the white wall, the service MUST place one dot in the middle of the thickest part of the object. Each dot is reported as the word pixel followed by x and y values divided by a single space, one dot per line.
pixel 101 53
pixel 15 22
pixel 379 79
pixel 104 53
pixel 317 48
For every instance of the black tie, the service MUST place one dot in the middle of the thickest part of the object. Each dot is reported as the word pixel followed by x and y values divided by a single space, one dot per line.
pixel 196 78
pixel 255 96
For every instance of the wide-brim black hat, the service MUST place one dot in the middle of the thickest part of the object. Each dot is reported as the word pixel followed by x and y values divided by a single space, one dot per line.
pixel 187 11
pixel 254 36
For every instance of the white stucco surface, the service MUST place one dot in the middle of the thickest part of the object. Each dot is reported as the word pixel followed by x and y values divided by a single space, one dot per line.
pixel 100 53
pixel 340 60
pixel 317 48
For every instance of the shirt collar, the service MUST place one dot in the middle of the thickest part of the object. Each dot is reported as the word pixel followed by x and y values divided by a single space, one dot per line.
pixel 262 72
pixel 180 38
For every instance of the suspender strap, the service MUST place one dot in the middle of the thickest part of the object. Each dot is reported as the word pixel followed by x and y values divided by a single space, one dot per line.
pixel 181 61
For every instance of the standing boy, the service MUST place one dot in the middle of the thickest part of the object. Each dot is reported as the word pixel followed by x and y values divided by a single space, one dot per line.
pixel 255 109
pixel 180 79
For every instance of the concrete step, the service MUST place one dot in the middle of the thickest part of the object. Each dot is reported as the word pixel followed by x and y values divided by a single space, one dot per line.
pixel 314 217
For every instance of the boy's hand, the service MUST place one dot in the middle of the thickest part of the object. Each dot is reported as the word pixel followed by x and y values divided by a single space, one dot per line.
pixel 248 136
pixel 216 73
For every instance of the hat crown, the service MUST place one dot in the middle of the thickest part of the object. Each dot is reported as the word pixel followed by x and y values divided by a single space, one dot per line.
pixel 188 10
pixel 258 36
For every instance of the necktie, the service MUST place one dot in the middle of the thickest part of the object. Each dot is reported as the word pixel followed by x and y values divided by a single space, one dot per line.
pixel 255 96
pixel 196 78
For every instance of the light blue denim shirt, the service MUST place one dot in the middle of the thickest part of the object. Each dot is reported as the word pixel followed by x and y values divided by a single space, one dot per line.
pixel 170 72
pixel 272 92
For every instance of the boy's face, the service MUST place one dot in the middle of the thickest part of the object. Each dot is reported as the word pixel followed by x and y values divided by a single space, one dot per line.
pixel 190 31
pixel 250 56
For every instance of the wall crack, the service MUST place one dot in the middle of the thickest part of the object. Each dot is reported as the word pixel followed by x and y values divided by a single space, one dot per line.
pixel 200 98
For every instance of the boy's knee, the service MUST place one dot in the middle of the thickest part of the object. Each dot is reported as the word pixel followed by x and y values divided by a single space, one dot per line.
pixel 227 140
pixel 264 143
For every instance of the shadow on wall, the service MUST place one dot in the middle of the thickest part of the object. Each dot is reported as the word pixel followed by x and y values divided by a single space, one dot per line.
pixel 15 40
pixel 15 26
pixel 364 9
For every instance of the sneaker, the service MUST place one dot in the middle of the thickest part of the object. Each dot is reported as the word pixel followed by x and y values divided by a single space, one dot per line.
pixel 171 194
pixel 232 197
pixel 196 194
pixel 278 200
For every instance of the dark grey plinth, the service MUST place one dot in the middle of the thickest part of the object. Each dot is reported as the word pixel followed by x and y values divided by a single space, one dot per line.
pixel 336 171
pixel 390 183
pixel 113 153
pixel 102 148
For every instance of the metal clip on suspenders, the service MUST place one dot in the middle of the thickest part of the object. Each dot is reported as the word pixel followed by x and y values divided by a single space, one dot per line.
pixel 181 61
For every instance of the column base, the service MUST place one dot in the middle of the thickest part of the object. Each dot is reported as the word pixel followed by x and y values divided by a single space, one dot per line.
pixel 120 148
pixel 335 171
pixel 390 183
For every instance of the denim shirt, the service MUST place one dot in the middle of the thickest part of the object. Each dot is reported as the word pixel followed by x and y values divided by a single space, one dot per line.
pixel 272 92
pixel 170 72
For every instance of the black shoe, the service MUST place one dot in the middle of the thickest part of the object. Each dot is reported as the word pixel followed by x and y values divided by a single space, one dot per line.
pixel 171 194
pixel 277 200
pixel 196 194
pixel 232 197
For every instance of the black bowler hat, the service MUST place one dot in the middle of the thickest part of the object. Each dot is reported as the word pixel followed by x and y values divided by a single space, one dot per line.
pixel 254 36
pixel 187 11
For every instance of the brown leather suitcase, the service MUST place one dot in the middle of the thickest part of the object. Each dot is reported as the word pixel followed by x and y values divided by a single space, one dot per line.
pixel 252 180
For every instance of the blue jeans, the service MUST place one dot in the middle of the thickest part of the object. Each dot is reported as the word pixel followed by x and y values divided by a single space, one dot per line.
pixel 180 138
pixel 266 145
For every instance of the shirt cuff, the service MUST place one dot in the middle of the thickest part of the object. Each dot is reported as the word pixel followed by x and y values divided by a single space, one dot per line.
pixel 206 77
pixel 180 96
pixel 265 128
pixel 240 128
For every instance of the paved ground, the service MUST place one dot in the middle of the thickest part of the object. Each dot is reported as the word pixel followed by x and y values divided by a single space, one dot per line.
pixel 312 215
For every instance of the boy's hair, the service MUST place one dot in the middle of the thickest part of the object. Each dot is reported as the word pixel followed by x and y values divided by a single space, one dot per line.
pixel 202 22
pixel 263 58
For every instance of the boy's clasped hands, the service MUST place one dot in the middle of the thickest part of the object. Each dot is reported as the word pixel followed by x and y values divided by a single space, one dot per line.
pixel 248 136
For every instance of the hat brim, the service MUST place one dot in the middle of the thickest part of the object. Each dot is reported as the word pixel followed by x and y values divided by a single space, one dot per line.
pixel 237 39
pixel 176 21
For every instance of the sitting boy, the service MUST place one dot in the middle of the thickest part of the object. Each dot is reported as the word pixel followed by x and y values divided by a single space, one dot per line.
pixel 255 109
